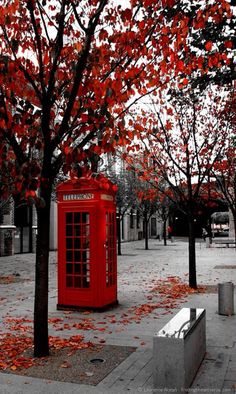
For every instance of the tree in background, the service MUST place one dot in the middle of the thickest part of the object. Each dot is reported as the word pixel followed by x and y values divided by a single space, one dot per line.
pixel 224 170
pixel 164 209
pixel 183 146
pixel 126 198
pixel 147 206
pixel 70 70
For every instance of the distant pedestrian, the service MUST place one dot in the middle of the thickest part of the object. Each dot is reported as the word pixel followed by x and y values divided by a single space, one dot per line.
pixel 204 234
pixel 169 230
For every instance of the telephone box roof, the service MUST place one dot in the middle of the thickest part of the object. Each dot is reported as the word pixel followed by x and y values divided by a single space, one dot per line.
pixel 99 182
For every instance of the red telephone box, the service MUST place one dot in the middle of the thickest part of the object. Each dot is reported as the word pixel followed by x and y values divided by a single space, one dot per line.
pixel 87 259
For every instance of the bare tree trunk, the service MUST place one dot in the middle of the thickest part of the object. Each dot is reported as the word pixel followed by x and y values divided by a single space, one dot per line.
pixel 192 253
pixel 234 218
pixel 164 233
pixel 41 344
pixel 146 232
pixel 118 222
pixel 30 229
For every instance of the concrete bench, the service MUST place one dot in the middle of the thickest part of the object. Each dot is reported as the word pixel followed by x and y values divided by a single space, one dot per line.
pixel 226 242
pixel 178 350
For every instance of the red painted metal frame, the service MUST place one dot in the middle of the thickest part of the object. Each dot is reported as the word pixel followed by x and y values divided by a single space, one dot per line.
pixel 87 259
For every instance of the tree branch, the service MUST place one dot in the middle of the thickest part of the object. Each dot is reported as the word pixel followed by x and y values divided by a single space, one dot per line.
pixel 80 67
pixel 30 7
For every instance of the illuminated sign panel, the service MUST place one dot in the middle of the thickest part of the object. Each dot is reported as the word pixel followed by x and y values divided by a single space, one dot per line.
pixel 85 196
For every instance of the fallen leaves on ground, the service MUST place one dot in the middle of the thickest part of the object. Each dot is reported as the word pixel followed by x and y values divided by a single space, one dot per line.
pixel 174 288
pixel 18 324
pixel 85 324
pixel 5 280
pixel 13 347
pixel 9 279
pixel 170 291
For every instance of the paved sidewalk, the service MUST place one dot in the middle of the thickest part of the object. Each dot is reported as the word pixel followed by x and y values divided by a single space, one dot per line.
pixel 139 271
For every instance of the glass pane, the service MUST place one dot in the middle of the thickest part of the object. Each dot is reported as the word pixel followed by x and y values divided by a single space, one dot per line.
pixel 77 230
pixel 69 281
pixel 69 243
pixel 69 231
pixel 85 242
pixel 69 217
pixel 77 217
pixel 84 256
pixel 76 255
pixel 110 249
pixel 69 255
pixel 77 243
pixel 69 268
pixel 85 217
pixel 77 269
pixel 86 283
pixel 77 281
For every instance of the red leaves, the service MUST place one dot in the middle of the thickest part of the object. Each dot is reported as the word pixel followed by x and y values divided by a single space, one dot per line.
pixel 208 45
pixel 7 279
pixel 180 65
pixel 133 55
pixel 126 15
pixel 147 195
pixel 228 44
pixel 171 292
pixel 75 342
pixel 144 309
pixel 11 348
pixel 84 325
pixel 172 288
pixel 185 81
pixel 65 364
pixel 18 324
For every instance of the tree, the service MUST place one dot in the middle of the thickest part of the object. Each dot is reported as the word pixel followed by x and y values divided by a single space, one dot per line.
pixel 147 206
pixel 68 72
pixel 209 59
pixel 224 169
pixel 125 197
pixel 184 144
pixel 226 180
pixel 164 209
pixel 225 175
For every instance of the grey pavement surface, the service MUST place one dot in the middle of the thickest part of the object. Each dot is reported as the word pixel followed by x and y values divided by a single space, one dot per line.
pixel 138 272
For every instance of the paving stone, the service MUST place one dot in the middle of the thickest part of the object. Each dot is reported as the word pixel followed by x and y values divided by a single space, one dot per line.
pixel 230 374
pixel 212 372
pixel 144 375
pixel 232 366
pixel 127 371
pixel 229 386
